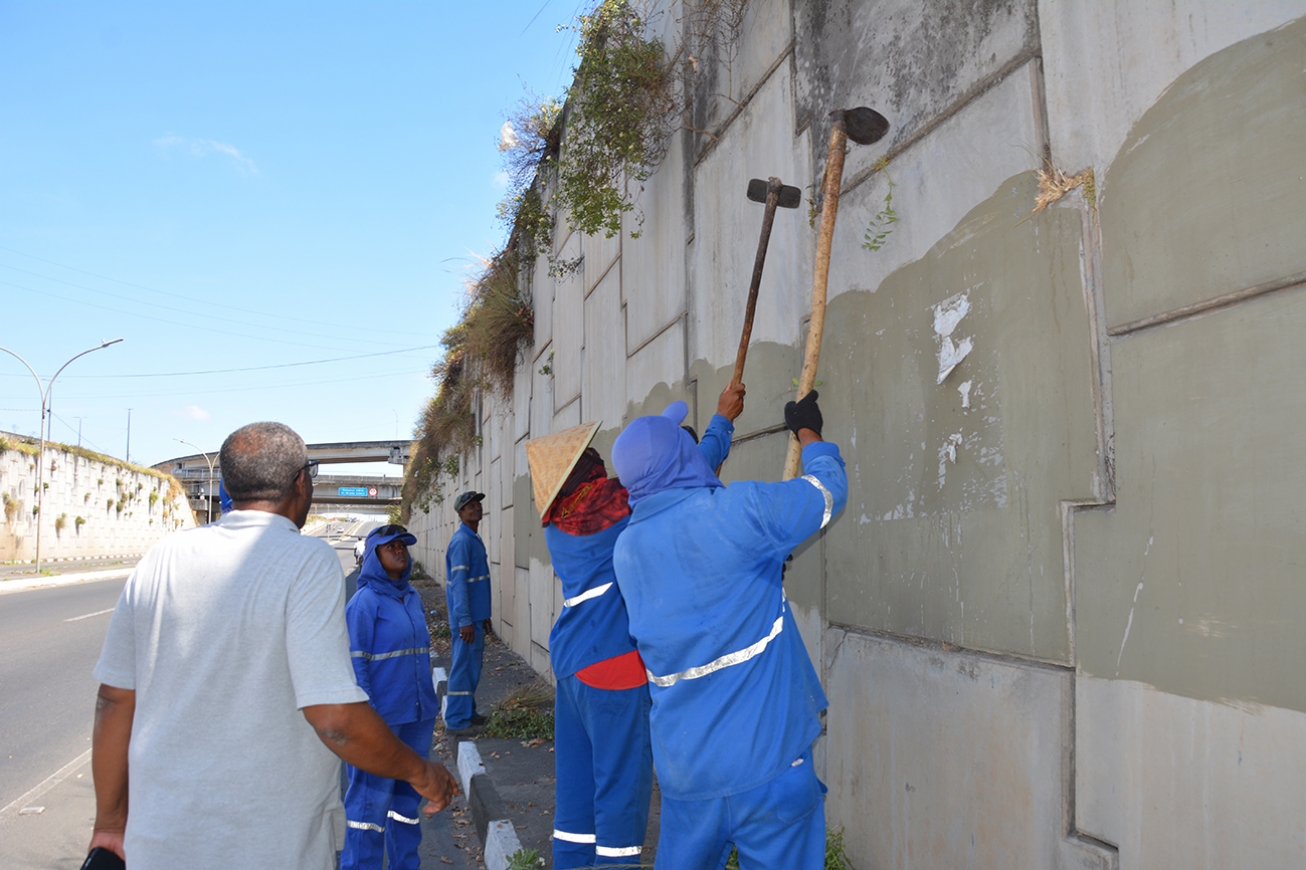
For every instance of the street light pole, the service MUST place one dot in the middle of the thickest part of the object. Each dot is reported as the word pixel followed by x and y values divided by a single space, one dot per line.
pixel 40 460
pixel 208 497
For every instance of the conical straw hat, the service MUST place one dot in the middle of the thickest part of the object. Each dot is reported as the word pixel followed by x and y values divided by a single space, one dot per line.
pixel 552 457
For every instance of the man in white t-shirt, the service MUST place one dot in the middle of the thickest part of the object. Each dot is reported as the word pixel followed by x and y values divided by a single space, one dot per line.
pixel 226 687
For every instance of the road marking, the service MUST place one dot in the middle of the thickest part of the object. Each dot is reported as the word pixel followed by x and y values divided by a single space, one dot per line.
pixel 89 615
pixel 50 782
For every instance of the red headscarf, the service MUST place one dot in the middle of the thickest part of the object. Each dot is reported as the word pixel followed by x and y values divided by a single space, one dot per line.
pixel 588 502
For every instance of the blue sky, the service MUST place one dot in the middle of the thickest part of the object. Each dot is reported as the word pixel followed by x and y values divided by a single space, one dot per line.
pixel 235 185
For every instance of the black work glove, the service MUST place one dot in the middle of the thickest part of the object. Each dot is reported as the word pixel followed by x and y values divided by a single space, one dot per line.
pixel 804 414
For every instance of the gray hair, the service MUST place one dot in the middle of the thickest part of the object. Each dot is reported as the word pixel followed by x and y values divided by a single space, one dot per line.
pixel 261 461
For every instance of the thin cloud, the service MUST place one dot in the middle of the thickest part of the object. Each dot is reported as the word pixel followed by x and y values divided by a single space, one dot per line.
pixel 500 180
pixel 200 148
pixel 193 412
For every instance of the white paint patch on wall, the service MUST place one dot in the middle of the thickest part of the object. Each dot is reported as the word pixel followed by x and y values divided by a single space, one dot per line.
pixel 947 316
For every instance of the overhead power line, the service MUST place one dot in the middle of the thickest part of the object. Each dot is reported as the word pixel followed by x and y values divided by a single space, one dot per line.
pixel 312 362
pixel 223 305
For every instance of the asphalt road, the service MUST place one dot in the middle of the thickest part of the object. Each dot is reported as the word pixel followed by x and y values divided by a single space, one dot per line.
pixel 50 639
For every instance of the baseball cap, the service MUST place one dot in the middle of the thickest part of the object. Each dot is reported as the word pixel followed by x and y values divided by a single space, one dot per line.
pixel 471 495
pixel 383 535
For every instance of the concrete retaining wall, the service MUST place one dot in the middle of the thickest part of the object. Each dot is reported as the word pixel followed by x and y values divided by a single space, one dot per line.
pixel 122 511
pixel 1060 620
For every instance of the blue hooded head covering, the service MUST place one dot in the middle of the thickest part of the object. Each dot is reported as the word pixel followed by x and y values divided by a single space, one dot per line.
pixel 224 497
pixel 372 572
pixel 654 454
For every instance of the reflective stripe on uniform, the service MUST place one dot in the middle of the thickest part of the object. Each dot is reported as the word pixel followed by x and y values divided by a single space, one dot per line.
pixel 614 852
pixel 376 657
pixel 586 595
pixel 573 838
pixel 825 493
pixel 458 693
pixel 366 826
pixel 398 818
pixel 457 568
pixel 478 579
pixel 734 658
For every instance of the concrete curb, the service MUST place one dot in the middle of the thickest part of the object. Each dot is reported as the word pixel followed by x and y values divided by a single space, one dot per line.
pixel 488 811
pixel 62 579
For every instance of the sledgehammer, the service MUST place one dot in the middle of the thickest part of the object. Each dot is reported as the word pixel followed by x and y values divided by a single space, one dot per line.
pixel 773 193
pixel 863 126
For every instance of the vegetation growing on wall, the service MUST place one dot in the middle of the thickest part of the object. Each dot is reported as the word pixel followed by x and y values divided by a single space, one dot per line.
pixel 579 159
pixel 481 353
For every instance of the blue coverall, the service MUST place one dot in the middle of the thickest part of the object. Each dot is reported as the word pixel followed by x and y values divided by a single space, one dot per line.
pixel 391 649
pixel 601 736
pixel 736 701
pixel 467 575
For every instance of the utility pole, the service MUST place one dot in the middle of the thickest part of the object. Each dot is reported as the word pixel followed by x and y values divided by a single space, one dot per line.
pixel 40 461
pixel 208 495
pixel 79 431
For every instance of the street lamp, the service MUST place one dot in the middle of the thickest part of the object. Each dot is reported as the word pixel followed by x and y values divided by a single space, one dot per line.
pixel 40 461
pixel 208 497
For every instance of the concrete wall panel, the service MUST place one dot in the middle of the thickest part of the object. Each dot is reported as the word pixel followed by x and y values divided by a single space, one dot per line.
pixel 1108 62
pixel 542 300
pixel 542 393
pixel 567 417
pixel 568 330
pixel 652 266
pixel 914 62
pixel 1192 582
pixel 604 396
pixel 727 225
pixel 1208 194
pixel 661 361
pixel 935 182
pixel 937 760
pixel 953 527
pixel 601 254
pixel 521 397
pixel 1182 783
pixel 732 64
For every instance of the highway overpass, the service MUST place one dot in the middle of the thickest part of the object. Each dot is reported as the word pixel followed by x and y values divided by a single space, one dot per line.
pixel 329 490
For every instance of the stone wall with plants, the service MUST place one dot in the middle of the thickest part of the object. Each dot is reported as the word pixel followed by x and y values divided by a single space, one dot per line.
pixel 93 505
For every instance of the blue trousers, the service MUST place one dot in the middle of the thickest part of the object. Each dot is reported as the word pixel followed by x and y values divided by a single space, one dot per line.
pixel 385 814
pixel 464 677
pixel 605 775
pixel 780 823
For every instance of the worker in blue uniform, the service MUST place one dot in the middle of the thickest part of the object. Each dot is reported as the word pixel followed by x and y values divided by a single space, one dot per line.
pixel 391 650
pixel 603 758
pixel 736 701
pixel 467 588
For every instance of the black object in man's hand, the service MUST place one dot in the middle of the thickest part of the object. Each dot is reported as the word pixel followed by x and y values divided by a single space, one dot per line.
pixel 101 858
pixel 804 414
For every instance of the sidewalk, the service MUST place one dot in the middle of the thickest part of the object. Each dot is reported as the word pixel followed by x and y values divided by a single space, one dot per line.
pixel 14 577
pixel 514 782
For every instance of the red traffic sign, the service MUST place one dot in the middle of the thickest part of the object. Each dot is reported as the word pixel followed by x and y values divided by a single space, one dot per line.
pixel 371 492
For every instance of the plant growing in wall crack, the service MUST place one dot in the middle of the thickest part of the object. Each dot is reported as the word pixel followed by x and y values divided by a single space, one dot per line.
pixel 881 225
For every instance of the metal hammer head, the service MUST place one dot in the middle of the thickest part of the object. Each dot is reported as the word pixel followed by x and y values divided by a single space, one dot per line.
pixel 789 197
pixel 863 125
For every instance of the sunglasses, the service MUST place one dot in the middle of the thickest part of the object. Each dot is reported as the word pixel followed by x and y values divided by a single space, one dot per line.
pixel 391 529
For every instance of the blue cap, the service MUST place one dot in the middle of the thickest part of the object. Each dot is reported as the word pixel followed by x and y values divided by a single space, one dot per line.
pixel 383 535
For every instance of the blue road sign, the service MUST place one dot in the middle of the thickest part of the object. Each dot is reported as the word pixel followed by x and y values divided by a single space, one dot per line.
pixel 352 491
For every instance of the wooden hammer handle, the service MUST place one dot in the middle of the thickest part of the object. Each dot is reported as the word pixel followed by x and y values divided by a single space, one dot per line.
pixel 820 278
pixel 768 218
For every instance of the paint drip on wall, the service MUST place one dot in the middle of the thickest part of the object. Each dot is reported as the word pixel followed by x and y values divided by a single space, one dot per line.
pixel 947 316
